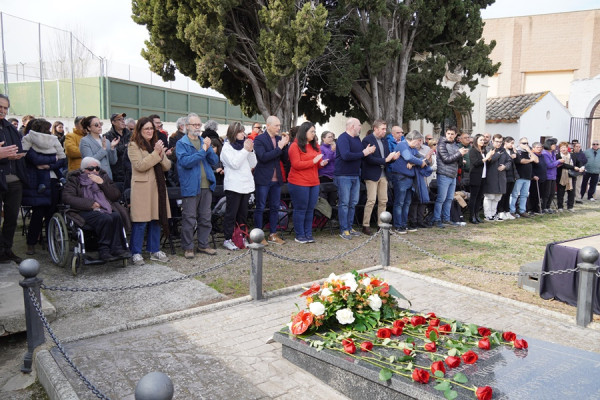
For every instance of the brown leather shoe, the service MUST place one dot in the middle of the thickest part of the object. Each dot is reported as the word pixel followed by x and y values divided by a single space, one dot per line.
pixel 367 230
pixel 524 215
pixel 274 238
pixel 208 250
pixel 12 256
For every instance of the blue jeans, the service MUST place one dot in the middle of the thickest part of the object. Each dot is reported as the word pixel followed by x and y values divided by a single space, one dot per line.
pixel 137 236
pixel 402 199
pixel 445 195
pixel 348 191
pixel 272 193
pixel 304 199
pixel 521 190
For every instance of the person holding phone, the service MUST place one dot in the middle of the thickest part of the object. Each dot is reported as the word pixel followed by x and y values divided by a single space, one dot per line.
pixel 96 146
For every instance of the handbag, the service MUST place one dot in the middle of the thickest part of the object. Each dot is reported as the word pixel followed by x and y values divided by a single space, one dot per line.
pixel 573 174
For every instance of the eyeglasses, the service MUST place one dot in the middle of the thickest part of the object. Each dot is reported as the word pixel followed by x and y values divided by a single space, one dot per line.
pixel 96 168
pixel 195 125
pixel 594 144
pixel 256 127
pixel 98 124
pixel 524 142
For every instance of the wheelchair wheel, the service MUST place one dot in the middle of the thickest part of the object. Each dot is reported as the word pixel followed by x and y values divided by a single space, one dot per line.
pixel 75 263
pixel 58 240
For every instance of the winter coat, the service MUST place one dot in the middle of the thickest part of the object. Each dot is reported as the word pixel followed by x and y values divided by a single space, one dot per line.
pixel 210 134
pixel 511 172
pixel 539 169
pixel 89 147
pixel 448 158
pixel 72 151
pixel 238 166
pixel 593 162
pixel 42 149
pixel 303 171
pixel 144 189
pixel 328 154
pixel 551 164
pixel 118 168
pixel 72 196
pixel 495 181
pixel 476 172
pixel 188 166
pixel 10 136
pixel 407 155
pixel 268 158
pixel 374 164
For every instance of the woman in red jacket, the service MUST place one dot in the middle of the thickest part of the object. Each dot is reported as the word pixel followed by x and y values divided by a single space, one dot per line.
pixel 303 180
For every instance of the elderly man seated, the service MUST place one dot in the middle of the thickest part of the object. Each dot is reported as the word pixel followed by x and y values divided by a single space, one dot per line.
pixel 93 200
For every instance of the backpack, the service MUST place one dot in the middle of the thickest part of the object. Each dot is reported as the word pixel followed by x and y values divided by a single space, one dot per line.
pixel 240 232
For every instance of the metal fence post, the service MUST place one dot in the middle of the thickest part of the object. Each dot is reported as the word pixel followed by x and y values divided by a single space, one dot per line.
pixel 384 249
pixel 154 386
pixel 29 269
pixel 585 291
pixel 256 236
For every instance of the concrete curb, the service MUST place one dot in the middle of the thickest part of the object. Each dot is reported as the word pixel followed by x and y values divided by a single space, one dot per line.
pixel 51 377
pixel 499 299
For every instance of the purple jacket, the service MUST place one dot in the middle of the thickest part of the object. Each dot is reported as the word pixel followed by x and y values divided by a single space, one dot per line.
pixel 328 154
pixel 551 164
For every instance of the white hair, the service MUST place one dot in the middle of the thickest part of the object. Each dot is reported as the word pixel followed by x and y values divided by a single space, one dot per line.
pixel 87 161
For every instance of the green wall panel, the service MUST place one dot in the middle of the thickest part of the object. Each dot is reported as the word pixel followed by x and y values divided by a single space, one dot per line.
pixel 199 105
pixel 152 97
pixel 218 107
pixel 177 101
pixel 121 92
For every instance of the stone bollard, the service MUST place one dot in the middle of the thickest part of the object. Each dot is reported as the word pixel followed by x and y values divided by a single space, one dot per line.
pixel 384 249
pixel 154 386
pixel 256 236
pixel 29 269
pixel 585 291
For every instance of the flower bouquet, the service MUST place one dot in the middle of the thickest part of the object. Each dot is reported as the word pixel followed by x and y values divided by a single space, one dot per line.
pixel 358 315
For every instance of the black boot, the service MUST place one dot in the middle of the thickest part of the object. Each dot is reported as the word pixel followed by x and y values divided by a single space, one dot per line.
pixel 474 220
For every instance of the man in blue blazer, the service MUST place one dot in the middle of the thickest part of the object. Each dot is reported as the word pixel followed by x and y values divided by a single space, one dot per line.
pixel 373 171
pixel 268 147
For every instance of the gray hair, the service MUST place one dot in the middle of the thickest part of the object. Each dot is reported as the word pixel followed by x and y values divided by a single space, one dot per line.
pixel 87 161
pixel 189 116
pixel 413 135
pixel 211 124
pixel 128 120
pixel 535 144
pixel 3 96
pixel 181 123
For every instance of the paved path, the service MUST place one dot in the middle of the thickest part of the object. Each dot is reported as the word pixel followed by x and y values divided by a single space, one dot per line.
pixel 224 353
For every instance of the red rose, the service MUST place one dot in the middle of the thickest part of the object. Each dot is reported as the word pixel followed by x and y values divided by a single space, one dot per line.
pixel 350 348
pixel 301 322
pixel 347 341
pixel 398 323
pixel 384 333
pixel 452 361
pixel 407 351
pixel 385 288
pixel 430 315
pixel 430 347
pixel 434 322
pixel 417 320
pixel 420 375
pixel 484 393
pixel 521 344
pixel 484 343
pixel 366 346
pixel 484 331
pixel 444 328
pixel 470 357
pixel 438 366
pixel 312 290
pixel 509 336
pixel 397 331
pixel 429 329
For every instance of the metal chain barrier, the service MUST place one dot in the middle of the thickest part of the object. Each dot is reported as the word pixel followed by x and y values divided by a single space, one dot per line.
pixel 321 260
pixel 479 269
pixel 145 285
pixel 60 348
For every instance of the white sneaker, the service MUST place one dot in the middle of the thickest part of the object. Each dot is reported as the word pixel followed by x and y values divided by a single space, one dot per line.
pixel 138 259
pixel 159 256
pixel 497 217
pixel 507 216
pixel 229 245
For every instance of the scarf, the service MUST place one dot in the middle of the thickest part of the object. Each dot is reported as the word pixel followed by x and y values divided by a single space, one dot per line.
pixel 238 144
pixel 162 190
pixel 565 179
pixel 92 191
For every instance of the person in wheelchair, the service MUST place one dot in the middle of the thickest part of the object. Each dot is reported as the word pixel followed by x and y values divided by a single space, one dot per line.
pixel 93 200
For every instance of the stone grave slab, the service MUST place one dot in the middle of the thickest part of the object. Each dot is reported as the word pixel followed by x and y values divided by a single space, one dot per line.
pixel 543 371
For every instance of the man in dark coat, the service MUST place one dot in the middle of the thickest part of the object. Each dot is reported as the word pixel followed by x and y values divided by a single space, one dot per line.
pixel 119 131
pixel 495 180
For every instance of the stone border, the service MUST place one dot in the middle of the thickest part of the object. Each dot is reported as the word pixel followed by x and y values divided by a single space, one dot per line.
pixel 51 377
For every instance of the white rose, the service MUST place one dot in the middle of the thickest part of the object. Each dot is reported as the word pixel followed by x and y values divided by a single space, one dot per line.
pixel 332 277
pixel 316 308
pixel 374 302
pixel 351 282
pixel 344 316
pixel 326 292
pixel 366 281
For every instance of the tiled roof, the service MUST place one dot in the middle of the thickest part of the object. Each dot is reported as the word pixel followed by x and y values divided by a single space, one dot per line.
pixel 510 109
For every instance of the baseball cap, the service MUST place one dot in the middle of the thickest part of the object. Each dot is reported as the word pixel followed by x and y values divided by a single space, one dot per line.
pixel 113 116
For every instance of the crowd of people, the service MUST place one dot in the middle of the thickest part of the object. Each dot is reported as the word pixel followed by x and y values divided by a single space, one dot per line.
pixel 424 182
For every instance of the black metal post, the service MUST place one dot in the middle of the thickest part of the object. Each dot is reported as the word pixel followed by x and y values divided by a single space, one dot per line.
pixel 256 236
pixel 585 291
pixel 384 249
pixel 29 269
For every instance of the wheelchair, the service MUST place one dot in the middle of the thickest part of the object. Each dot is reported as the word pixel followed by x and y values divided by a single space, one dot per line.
pixel 70 245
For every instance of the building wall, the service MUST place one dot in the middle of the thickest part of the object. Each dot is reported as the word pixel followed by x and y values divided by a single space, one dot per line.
pixel 556 45
pixel 505 129
pixel 546 118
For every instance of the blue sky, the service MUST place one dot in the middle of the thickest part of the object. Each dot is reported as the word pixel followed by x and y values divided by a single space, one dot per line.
pixel 106 26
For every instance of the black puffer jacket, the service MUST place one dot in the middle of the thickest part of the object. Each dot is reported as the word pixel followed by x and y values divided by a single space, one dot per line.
pixel 448 158
pixel 118 169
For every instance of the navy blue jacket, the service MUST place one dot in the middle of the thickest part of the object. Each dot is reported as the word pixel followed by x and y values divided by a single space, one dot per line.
pixel 36 177
pixel 348 155
pixel 374 164
pixel 267 158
